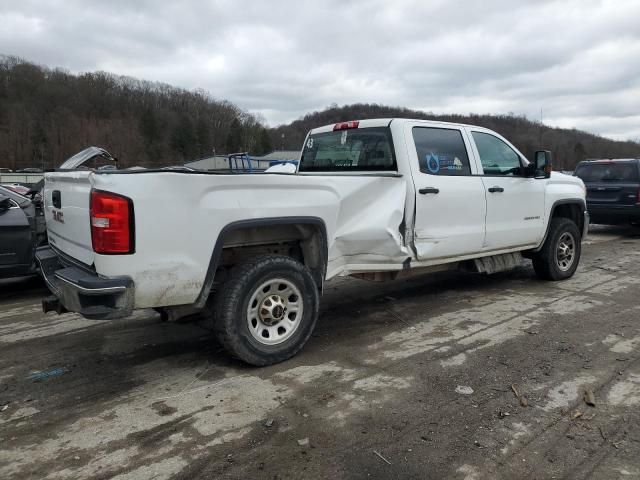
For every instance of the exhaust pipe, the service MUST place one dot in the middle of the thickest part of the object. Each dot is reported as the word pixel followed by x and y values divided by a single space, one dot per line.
pixel 52 304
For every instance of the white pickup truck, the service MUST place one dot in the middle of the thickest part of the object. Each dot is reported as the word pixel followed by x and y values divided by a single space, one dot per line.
pixel 375 199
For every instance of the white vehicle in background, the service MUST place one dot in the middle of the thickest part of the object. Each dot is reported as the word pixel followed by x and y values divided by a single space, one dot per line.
pixel 375 199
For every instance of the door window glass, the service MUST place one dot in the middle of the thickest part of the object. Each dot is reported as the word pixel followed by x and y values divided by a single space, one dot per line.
pixel 497 157
pixel 441 151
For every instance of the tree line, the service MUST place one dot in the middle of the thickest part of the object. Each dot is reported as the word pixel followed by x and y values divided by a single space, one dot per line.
pixel 568 146
pixel 46 115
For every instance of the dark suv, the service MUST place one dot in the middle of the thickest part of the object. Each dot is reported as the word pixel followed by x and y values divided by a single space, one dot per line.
pixel 613 190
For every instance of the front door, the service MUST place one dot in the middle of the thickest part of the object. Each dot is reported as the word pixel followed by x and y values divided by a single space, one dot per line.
pixel 450 200
pixel 515 204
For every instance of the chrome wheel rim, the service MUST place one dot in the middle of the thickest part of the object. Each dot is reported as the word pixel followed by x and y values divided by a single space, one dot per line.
pixel 275 311
pixel 565 251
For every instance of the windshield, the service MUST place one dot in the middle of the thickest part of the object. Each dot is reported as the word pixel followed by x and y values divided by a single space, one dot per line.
pixel 356 149
pixel 608 172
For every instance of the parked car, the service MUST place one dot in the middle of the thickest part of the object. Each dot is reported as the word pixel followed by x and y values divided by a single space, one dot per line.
pixel 613 190
pixel 376 199
pixel 16 187
pixel 22 230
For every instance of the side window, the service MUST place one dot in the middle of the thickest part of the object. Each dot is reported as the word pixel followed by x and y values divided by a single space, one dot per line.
pixel 441 151
pixel 497 157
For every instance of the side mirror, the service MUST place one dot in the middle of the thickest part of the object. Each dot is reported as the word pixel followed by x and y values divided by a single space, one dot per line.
pixel 542 164
pixel 5 203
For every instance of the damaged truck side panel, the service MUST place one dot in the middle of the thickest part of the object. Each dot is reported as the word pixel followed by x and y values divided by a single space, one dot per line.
pixel 361 216
pixel 374 199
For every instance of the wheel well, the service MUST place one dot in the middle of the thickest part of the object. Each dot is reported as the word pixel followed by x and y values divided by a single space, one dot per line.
pixel 572 211
pixel 305 242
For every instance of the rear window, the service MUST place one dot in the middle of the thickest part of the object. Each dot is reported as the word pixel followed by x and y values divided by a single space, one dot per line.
pixel 356 149
pixel 608 172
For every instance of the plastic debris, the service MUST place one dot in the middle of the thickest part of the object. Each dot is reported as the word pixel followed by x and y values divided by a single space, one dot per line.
pixel 268 423
pixel 303 442
pixel 4 408
pixel 55 372
pixel 464 390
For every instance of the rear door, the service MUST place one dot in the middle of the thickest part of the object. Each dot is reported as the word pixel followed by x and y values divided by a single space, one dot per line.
pixel 450 199
pixel 610 183
pixel 515 204
pixel 66 205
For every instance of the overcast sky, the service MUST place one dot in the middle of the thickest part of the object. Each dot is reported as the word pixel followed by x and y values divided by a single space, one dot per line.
pixel 577 60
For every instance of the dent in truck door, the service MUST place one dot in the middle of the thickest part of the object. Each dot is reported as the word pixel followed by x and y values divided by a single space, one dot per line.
pixel 515 204
pixel 450 200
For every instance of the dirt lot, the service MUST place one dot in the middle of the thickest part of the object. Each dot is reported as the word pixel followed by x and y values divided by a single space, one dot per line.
pixel 411 379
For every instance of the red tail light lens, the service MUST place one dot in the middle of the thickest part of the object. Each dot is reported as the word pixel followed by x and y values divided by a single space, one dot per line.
pixel 112 225
pixel 346 125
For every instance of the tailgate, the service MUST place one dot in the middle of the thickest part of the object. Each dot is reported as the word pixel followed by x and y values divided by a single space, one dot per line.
pixel 612 193
pixel 67 196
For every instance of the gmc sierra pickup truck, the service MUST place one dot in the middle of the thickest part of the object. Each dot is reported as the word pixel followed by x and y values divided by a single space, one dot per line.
pixel 376 199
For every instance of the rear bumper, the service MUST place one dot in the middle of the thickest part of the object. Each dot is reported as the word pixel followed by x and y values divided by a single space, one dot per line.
pixel 82 291
pixel 613 214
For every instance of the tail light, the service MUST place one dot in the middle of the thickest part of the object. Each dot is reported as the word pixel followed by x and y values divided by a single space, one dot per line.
pixel 346 125
pixel 112 223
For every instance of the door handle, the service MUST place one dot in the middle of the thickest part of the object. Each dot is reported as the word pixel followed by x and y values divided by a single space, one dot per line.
pixel 496 189
pixel 56 199
pixel 424 191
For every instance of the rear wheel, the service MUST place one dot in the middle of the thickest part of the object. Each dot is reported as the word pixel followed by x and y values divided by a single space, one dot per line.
pixel 266 311
pixel 559 257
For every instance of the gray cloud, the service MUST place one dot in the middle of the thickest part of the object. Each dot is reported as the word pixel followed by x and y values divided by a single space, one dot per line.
pixel 574 59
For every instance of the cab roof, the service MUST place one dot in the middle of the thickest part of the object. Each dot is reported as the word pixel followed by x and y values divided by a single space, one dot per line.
pixel 384 122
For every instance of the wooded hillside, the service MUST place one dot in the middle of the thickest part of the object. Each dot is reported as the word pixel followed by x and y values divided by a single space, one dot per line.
pixel 568 146
pixel 46 115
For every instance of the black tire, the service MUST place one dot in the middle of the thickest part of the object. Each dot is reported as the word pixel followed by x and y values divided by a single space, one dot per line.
pixel 231 314
pixel 546 262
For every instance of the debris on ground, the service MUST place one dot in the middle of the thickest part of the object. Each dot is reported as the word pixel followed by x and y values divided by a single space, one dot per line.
pixel 268 423
pixel 604 437
pixel 303 442
pixel 55 372
pixel 383 459
pixel 589 399
pixel 464 390
pixel 578 414
pixel 4 407
pixel 521 398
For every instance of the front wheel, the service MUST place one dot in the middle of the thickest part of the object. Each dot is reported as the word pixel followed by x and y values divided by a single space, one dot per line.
pixel 266 311
pixel 559 257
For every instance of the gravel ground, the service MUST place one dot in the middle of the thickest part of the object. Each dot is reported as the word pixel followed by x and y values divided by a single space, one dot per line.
pixel 445 376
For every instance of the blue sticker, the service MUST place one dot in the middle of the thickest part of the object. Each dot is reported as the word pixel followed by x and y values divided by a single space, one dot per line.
pixel 433 163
